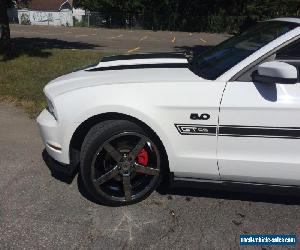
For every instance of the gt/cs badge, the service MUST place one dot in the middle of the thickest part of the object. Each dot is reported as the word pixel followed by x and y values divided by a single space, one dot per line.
pixel 194 129
pixel 195 116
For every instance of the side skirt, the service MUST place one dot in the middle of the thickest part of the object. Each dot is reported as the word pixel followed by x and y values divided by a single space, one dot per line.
pixel 240 187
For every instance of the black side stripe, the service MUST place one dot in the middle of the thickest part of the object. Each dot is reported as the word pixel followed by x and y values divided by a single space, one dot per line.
pixel 143 56
pixel 240 131
pixel 141 66
pixel 264 132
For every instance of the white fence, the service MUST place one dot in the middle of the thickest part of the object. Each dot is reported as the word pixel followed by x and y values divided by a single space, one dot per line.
pixel 53 18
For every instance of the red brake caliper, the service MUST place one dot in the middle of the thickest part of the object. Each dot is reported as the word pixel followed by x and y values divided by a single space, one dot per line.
pixel 142 158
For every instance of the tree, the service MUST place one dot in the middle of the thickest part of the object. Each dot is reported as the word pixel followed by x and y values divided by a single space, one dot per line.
pixel 4 21
pixel 191 15
pixel 119 11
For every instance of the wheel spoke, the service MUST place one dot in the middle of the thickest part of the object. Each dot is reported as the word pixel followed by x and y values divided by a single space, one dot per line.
pixel 112 151
pixel 106 177
pixel 134 152
pixel 127 187
pixel 146 170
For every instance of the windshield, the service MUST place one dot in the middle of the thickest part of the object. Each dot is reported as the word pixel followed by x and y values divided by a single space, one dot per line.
pixel 214 62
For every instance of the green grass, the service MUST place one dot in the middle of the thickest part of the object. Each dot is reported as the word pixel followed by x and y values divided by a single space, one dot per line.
pixel 23 75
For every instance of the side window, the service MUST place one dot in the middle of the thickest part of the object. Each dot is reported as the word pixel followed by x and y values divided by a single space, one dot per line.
pixel 247 76
pixel 289 54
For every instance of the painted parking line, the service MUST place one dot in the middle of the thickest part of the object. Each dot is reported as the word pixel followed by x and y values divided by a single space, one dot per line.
pixel 35 32
pixel 81 35
pixel 133 50
pixel 202 40
pixel 19 31
pixel 174 39
pixel 114 37
pixel 143 38
pixel 48 34
pixel 94 34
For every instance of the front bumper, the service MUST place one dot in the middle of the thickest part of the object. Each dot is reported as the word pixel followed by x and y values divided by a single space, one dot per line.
pixel 53 137
pixel 58 169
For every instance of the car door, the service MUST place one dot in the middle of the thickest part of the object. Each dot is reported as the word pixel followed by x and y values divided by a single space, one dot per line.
pixel 259 127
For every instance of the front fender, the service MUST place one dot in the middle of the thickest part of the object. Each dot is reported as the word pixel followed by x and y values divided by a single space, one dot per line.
pixel 73 114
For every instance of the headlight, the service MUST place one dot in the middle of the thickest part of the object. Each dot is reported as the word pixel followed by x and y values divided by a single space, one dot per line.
pixel 50 107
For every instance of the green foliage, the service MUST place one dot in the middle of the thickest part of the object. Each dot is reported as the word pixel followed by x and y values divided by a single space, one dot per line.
pixel 81 23
pixel 24 75
pixel 192 15
pixel 25 19
pixel 13 3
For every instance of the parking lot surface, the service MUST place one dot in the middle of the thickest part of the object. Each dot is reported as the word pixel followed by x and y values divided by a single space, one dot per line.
pixel 115 40
pixel 41 211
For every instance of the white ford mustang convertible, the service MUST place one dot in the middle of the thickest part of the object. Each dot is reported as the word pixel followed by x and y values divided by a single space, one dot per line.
pixel 230 115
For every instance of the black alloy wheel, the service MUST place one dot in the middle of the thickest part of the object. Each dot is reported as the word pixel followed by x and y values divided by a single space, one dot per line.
pixel 120 164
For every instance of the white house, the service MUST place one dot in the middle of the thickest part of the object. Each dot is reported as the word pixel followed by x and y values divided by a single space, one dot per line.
pixel 51 12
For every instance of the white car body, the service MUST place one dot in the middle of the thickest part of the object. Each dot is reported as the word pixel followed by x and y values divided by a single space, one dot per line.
pixel 251 136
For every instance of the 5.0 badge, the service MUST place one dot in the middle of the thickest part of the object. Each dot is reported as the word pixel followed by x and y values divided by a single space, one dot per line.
pixel 203 117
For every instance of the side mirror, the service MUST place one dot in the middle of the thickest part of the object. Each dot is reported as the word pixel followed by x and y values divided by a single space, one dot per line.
pixel 275 72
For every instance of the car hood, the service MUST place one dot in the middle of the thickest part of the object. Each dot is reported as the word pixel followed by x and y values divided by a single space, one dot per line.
pixel 125 69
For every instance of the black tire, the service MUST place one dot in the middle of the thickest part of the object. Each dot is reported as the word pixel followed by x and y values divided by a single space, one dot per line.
pixel 119 163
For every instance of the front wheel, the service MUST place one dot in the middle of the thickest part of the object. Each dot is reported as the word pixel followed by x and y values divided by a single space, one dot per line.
pixel 120 164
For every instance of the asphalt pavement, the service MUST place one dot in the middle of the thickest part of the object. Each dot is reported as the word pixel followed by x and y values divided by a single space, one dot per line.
pixel 114 40
pixel 42 211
